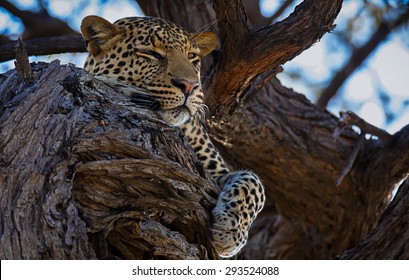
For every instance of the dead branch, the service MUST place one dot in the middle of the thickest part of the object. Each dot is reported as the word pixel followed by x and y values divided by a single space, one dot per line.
pixel 349 118
pixel 351 159
pixel 22 63
pixel 45 46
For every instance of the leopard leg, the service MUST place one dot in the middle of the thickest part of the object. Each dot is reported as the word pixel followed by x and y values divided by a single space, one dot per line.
pixel 240 200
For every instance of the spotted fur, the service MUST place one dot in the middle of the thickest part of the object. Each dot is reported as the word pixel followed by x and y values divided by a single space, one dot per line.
pixel 157 64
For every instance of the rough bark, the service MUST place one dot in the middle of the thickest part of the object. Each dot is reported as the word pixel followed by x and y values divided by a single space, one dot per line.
pixel 390 238
pixel 85 174
pixel 255 121
pixel 288 141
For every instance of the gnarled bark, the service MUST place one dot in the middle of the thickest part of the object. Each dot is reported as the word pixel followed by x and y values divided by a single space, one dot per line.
pixel 85 174
pixel 127 170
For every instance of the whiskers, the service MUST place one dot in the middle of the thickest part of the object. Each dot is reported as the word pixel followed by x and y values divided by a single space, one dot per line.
pixel 139 96
pixel 207 26
pixel 202 111
pixel 145 99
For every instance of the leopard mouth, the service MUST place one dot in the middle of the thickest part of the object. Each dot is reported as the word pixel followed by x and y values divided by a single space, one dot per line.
pixel 176 116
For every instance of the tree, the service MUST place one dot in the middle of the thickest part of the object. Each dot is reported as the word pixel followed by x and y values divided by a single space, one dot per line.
pixel 86 174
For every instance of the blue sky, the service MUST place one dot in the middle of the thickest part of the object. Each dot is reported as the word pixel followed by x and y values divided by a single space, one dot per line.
pixel 387 69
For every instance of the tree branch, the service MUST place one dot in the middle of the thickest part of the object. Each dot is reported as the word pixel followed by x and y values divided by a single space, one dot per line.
pixel 281 10
pixel 45 46
pixel 23 15
pixel 289 143
pixel 358 56
pixel 351 159
pixel 232 21
pixel 349 118
pixel 266 49
pixel 390 239
pixel 38 24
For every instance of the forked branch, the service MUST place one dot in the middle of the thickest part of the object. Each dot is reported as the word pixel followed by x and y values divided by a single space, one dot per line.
pixel 264 49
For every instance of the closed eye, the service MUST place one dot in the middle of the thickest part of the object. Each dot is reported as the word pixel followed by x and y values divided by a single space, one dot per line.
pixel 151 54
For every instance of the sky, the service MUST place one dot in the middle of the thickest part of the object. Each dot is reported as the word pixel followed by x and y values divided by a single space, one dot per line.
pixel 386 70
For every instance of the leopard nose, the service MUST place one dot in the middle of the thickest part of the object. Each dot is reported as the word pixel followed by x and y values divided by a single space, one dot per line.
pixel 185 86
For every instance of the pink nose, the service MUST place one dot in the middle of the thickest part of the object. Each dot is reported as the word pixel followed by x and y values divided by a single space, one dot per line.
pixel 185 86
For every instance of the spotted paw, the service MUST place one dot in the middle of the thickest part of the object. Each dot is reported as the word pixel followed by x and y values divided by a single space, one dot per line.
pixel 241 199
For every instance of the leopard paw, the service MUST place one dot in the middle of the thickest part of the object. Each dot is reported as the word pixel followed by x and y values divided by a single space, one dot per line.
pixel 241 199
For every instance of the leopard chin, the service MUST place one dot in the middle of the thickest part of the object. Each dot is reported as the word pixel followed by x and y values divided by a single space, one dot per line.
pixel 177 116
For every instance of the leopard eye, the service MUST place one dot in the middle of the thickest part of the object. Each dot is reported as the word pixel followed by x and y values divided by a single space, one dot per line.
pixel 154 54
pixel 151 54
pixel 192 56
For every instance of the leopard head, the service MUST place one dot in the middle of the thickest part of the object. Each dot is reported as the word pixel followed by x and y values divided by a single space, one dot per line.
pixel 152 60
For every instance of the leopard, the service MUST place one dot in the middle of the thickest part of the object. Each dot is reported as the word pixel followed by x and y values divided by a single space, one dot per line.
pixel 157 64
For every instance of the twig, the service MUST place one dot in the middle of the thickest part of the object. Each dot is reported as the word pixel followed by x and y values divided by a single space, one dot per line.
pixel 351 159
pixel 348 119
pixel 22 64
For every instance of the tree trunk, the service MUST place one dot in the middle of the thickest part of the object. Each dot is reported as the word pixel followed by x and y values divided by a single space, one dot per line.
pixel 86 174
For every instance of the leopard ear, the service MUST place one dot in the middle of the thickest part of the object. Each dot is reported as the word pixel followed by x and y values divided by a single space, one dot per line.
pixel 206 41
pixel 99 34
